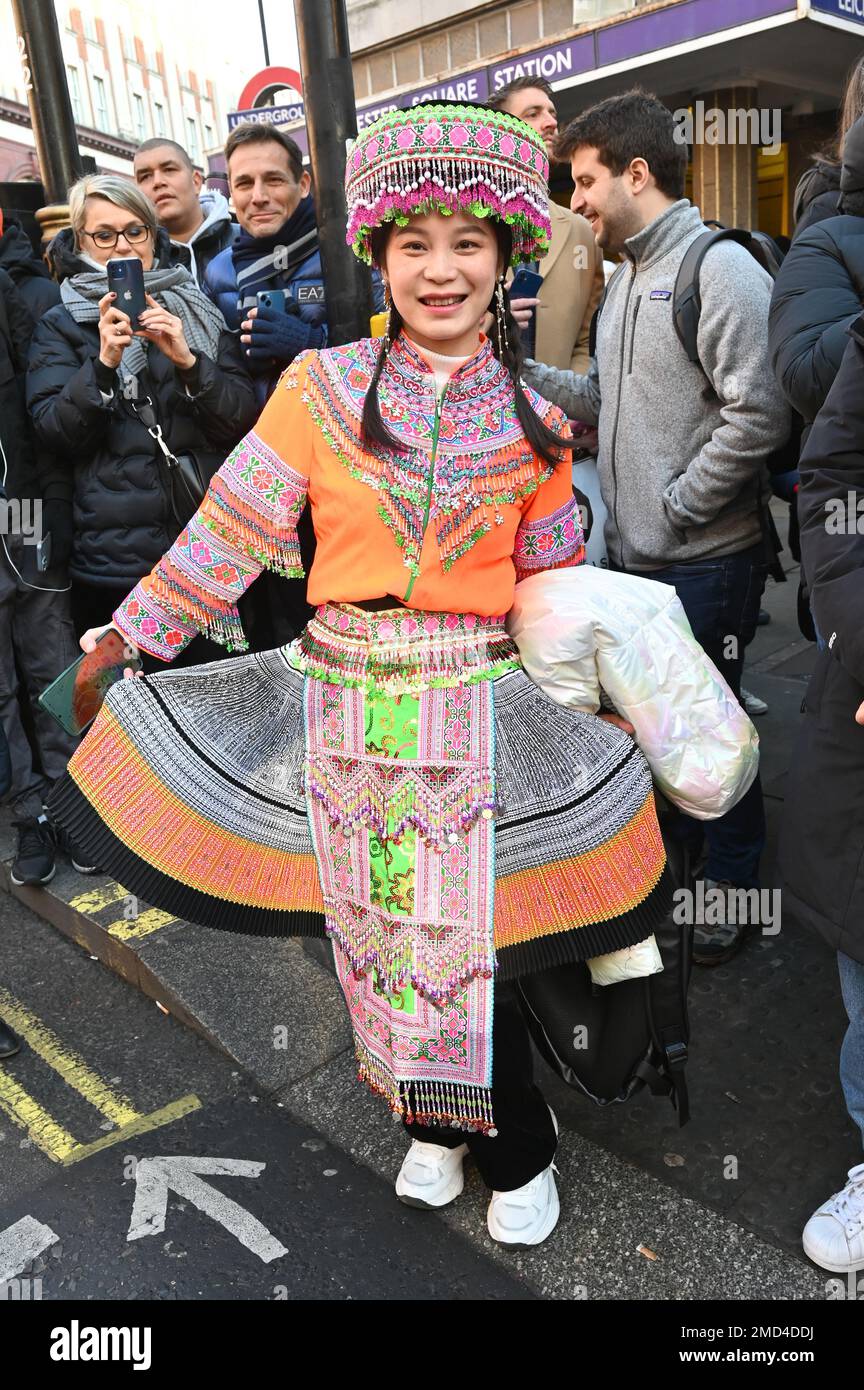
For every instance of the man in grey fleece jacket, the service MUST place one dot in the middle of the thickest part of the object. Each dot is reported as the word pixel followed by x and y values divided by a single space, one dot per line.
pixel 682 445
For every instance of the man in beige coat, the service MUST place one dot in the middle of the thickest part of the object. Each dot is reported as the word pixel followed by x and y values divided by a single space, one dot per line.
pixel 573 270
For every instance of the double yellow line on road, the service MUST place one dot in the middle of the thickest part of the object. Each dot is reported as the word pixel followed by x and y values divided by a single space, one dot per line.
pixel 42 1128
pixel 124 929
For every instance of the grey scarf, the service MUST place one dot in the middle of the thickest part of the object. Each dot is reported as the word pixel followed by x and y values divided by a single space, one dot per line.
pixel 174 288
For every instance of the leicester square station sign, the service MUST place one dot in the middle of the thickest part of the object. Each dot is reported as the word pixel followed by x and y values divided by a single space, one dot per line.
pixel 843 9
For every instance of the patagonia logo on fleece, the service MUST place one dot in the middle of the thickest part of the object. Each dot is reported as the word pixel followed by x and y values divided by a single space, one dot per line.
pixel 660 294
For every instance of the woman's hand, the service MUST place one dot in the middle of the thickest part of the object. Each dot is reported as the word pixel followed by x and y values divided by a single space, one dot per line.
pixel 115 331
pixel 166 332
pixel 90 638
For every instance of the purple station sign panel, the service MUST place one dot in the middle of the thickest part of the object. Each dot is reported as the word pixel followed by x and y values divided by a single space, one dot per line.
pixel 842 9
pixel 678 24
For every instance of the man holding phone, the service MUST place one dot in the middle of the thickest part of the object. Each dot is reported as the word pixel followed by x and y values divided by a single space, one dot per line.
pixel 553 300
pixel 270 283
pixel 276 250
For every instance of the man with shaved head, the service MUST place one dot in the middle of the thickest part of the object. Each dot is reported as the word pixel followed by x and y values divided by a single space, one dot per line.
pixel 197 219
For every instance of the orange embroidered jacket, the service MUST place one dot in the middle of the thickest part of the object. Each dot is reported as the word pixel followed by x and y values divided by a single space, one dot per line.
pixel 447 523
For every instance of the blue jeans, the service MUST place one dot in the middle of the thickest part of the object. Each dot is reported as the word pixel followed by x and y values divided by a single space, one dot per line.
pixel 852 1051
pixel 721 599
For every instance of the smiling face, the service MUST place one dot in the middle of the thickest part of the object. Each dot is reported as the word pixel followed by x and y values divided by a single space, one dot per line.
pixel 536 109
pixel 606 200
pixel 102 216
pixel 172 186
pixel 442 272
pixel 263 187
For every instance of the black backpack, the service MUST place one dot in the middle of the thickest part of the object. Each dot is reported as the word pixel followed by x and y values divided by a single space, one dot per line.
pixel 686 299
pixel 610 1041
pixel 686 309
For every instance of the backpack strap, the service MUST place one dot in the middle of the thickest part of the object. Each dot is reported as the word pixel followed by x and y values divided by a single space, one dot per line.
pixel 667 996
pixel 687 300
pixel 767 252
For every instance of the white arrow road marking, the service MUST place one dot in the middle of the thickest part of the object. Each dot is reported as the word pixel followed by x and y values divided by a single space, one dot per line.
pixel 154 1177
pixel 21 1243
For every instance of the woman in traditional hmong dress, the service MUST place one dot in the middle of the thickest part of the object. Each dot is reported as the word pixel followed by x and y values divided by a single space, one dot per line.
pixel 393 780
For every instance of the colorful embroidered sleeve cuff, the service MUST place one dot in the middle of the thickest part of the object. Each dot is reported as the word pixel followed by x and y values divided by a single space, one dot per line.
pixel 149 627
pixel 549 542
pixel 246 523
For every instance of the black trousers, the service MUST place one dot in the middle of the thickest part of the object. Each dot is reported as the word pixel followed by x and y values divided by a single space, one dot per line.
pixel 525 1142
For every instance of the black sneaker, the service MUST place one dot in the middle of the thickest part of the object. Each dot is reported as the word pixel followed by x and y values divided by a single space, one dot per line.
pixel 34 862
pixel 10 1043
pixel 67 846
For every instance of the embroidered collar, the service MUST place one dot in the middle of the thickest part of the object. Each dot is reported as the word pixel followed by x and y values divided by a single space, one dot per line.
pixel 482 459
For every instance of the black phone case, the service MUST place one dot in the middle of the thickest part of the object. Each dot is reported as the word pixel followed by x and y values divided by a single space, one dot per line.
pixel 126 279
pixel 525 285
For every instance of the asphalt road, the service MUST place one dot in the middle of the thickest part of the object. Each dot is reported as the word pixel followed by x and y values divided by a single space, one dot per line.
pixel 286 1215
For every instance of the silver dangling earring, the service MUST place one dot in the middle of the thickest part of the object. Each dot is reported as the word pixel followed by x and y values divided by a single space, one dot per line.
pixel 501 319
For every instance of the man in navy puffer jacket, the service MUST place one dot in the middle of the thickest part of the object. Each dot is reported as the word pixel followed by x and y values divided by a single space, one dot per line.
pixel 277 249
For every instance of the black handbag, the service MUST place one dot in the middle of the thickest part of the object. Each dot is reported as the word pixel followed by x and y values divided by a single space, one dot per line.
pixel 186 481
pixel 609 1041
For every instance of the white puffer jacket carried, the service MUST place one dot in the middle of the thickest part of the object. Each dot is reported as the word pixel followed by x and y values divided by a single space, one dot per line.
pixel 582 629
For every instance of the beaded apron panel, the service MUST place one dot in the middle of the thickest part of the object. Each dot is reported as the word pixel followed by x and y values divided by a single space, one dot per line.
pixel 400 784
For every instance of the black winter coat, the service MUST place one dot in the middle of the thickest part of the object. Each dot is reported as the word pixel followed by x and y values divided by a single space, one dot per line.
pixel 17 462
pixel 122 517
pixel 822 844
pixel 816 196
pixel 29 274
pixel 818 293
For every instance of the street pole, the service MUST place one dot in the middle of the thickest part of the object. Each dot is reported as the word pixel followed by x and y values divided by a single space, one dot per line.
pixel 331 120
pixel 264 33
pixel 48 97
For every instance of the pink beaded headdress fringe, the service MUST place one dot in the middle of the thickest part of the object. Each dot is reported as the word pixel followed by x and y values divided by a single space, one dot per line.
pixel 449 159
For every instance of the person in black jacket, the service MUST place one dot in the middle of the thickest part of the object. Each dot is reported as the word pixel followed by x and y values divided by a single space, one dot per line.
pixel 822 841
pixel 818 191
pixel 29 274
pixel 90 377
pixel 36 637
pixel 818 293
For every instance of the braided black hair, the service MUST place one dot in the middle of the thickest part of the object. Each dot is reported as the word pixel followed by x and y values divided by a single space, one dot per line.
pixel 544 441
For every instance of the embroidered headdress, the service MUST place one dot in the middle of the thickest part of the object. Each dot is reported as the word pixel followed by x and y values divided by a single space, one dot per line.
pixel 435 158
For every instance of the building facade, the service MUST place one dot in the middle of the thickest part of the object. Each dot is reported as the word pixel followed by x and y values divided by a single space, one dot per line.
pixel 772 69
pixel 128 81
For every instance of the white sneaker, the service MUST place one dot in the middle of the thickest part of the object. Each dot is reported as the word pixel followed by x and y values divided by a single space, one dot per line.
pixel 834 1235
pixel 752 704
pixel 430 1176
pixel 528 1215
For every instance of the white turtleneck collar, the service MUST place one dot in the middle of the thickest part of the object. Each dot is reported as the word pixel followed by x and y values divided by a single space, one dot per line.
pixel 442 366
